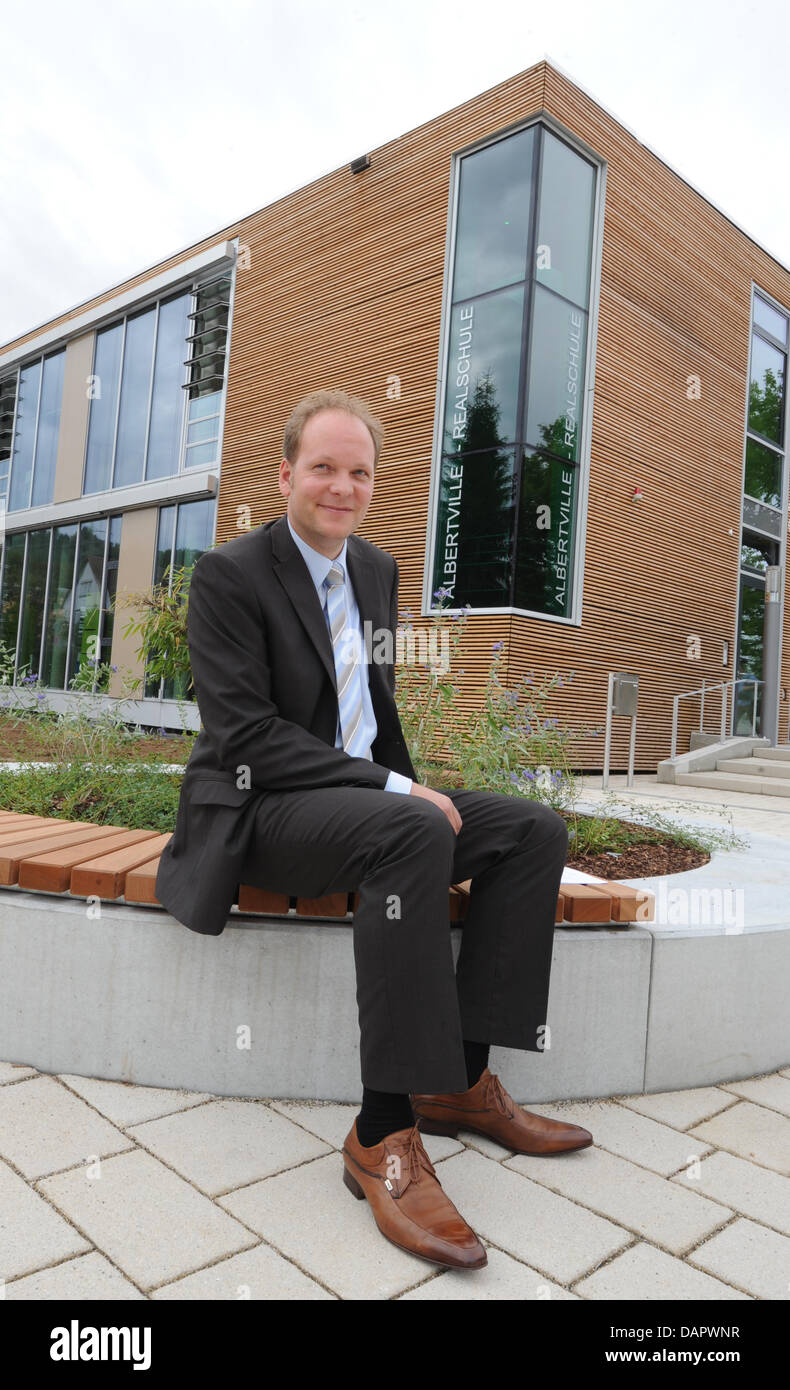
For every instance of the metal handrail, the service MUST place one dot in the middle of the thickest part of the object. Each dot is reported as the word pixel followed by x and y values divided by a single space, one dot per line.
pixel 703 690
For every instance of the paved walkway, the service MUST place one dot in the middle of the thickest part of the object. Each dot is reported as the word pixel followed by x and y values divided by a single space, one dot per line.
pixel 114 1191
pixel 768 815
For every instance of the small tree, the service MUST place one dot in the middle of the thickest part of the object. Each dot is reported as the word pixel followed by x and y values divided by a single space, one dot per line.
pixel 163 627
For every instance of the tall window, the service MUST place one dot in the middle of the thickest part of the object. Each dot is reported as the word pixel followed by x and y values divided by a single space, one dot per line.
pixel 35 431
pixel 7 413
pixel 137 405
pixel 184 532
pixel 763 496
pixel 156 389
pixel 206 364
pixel 516 347
pixel 56 591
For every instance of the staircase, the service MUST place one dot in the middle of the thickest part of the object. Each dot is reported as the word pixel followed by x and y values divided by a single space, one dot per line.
pixel 766 772
pixel 740 763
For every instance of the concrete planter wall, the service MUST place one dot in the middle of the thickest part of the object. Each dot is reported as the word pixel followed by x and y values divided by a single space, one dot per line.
pixel 269 1008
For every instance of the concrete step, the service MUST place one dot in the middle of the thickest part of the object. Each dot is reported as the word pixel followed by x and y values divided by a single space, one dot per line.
pixel 755 767
pixel 781 754
pixel 731 781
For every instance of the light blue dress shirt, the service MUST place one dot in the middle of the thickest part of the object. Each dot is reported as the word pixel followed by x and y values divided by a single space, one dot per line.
pixel 319 566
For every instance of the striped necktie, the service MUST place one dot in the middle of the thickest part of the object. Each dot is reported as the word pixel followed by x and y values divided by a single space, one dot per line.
pixel 349 697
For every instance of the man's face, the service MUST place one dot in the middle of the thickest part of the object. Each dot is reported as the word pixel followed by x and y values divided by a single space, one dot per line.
pixel 330 484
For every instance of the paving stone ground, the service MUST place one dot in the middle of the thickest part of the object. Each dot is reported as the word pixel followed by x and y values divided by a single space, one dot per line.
pixel 114 1191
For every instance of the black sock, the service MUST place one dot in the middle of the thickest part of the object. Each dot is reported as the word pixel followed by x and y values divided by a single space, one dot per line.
pixel 476 1055
pixel 382 1113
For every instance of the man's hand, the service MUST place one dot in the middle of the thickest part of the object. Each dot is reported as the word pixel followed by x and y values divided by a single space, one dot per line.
pixel 439 799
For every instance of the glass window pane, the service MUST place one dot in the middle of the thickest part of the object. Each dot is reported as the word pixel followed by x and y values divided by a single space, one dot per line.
pixel 87 597
pixel 11 591
pixel 194 530
pixel 546 534
pixel 194 535
pixel 162 558
pixel 750 658
pixel 61 592
pixel 33 600
pixel 135 389
pixel 48 428
pixel 200 454
pixel 213 291
pixel 110 586
pixel 482 379
pixel 768 317
pixel 203 429
pixel 766 389
pixel 475 531
pixel 104 402
pixel 757 552
pixel 206 403
pixel 493 215
pixel 555 390
pixel 7 413
pixel 167 406
pixel 565 221
pixel 763 473
pixel 25 437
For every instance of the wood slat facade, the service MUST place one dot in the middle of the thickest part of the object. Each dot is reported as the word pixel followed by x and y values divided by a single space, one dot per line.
pixel 340 285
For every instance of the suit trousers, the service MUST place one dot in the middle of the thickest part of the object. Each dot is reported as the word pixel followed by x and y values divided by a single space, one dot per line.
pixel 400 853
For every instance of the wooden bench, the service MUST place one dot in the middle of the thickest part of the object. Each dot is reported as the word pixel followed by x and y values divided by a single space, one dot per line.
pixel 111 862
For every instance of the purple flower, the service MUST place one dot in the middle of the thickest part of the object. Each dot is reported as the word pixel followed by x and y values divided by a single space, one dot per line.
pixel 497 646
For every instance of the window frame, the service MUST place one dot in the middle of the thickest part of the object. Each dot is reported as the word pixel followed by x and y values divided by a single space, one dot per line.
pixel 556 128
pixel 749 576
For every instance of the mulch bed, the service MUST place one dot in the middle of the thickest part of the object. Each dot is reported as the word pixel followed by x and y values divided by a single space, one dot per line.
pixel 656 854
pixel 640 861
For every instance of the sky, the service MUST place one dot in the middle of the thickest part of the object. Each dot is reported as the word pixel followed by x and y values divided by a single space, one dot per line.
pixel 130 131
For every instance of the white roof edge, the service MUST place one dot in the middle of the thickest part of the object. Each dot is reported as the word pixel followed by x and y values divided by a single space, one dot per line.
pixel 63 332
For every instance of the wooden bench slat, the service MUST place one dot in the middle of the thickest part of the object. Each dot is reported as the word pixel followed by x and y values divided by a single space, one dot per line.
pixel 629 904
pixel 252 899
pixel 333 905
pixel 105 875
pixel 34 829
pixel 13 857
pixel 140 883
pixel 50 872
pixel 583 902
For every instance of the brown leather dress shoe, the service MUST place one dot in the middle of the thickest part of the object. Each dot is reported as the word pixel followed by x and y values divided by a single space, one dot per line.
pixel 408 1203
pixel 486 1108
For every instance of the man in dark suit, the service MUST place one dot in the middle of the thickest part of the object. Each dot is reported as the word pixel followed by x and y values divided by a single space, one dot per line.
pixel 300 781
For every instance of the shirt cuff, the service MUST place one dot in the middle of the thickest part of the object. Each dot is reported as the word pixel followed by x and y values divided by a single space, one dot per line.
pixel 396 782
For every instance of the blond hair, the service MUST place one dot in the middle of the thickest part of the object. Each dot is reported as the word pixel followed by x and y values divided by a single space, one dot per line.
pixel 329 400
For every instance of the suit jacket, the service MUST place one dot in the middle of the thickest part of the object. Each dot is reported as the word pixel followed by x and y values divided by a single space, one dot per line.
pixel 264 675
